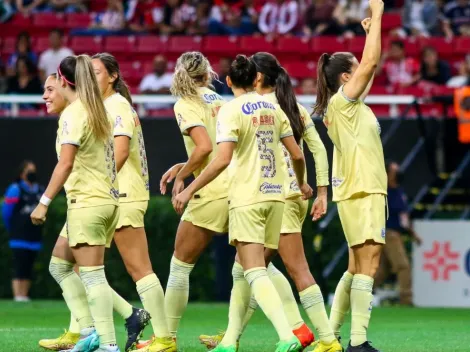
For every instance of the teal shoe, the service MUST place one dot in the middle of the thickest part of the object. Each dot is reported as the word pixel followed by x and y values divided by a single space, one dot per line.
pixel 89 343
pixel 221 348
pixel 292 345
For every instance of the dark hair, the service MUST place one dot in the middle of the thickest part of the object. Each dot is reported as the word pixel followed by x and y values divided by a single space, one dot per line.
pixel 398 43
pixel 30 66
pixel 427 49
pixel 59 31
pixel 26 36
pixel 330 68
pixel 276 76
pixel 242 72
pixel 21 168
pixel 112 66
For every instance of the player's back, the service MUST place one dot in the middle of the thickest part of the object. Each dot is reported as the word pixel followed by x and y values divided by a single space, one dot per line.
pixel 256 125
pixel 189 114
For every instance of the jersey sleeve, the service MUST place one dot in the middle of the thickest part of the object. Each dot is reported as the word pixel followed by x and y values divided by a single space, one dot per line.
pixel 73 130
pixel 124 123
pixel 286 129
pixel 228 126
pixel 188 115
pixel 316 146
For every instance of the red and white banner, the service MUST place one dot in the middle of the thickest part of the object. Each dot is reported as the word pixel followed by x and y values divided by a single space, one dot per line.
pixel 441 265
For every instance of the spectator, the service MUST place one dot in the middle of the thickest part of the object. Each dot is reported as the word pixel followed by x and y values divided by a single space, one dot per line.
pixel 67 6
pixel 6 10
pixel 236 18
pixel 112 19
pixel 432 69
pixel 349 14
pixel 174 17
pixel 23 48
pixel 158 82
pixel 26 80
pixel 463 78
pixel 399 70
pixel 280 17
pixel 308 86
pixel 200 25
pixel 420 18
pixel 51 58
pixel 318 18
pixel 457 18
pixel 220 85
pixel 394 256
pixel 25 239
pixel 142 15
pixel 27 7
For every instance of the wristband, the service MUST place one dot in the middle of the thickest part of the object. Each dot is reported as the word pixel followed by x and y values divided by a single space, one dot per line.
pixel 45 200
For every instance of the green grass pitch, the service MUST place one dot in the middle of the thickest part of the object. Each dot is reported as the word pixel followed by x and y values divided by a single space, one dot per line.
pixel 391 329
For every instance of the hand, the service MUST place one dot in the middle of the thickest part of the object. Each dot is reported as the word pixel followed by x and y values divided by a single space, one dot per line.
pixel 38 216
pixel 180 200
pixel 307 191
pixel 366 24
pixel 376 7
pixel 416 238
pixel 169 176
pixel 320 204
pixel 178 187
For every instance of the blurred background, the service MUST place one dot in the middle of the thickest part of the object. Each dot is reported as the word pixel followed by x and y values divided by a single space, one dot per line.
pixel 421 97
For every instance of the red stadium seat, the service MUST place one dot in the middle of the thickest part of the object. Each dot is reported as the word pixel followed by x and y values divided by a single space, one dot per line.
pixel 98 5
pixel 442 45
pixel 328 44
pixel 78 20
pixel 152 44
pixel 463 45
pixel 131 71
pixel 391 20
pixel 41 44
pixel 250 45
pixel 48 20
pixel 120 44
pixel 21 21
pixel 221 45
pixel 381 90
pixel 301 69
pixel 9 45
pixel 183 44
pixel 293 45
pixel 356 45
pixel 89 45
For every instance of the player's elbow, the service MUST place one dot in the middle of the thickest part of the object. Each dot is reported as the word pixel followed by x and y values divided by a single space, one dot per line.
pixel 205 149
pixel 298 156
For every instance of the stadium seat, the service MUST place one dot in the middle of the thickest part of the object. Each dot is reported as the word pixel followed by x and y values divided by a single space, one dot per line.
pixel 187 43
pixel 356 45
pixel 48 20
pixel 9 45
pixel 301 69
pixel 89 45
pixel 131 71
pixel 21 21
pixel 98 5
pixel 224 46
pixel 250 45
pixel 78 20
pixel 297 45
pixel 120 44
pixel 442 45
pixel 41 44
pixel 463 45
pixel 390 21
pixel 152 44
pixel 380 90
pixel 328 44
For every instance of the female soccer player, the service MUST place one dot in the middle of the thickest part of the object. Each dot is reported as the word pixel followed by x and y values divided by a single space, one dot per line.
pixel 359 178
pixel 86 168
pixel 252 129
pixel 133 178
pixel 138 318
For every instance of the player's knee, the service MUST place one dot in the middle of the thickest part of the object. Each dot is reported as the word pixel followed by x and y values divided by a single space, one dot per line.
pixel 60 269
pixel 138 271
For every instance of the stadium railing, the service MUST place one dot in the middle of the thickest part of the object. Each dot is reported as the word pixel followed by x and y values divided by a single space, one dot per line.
pixel 393 101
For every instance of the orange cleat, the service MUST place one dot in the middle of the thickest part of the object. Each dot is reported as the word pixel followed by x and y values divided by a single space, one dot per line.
pixel 305 335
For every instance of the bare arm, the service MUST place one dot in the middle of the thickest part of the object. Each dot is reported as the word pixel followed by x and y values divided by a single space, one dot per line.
pixel 121 151
pixel 369 86
pixel 203 148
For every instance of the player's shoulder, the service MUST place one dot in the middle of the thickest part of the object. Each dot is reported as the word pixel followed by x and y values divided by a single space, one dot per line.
pixel 75 110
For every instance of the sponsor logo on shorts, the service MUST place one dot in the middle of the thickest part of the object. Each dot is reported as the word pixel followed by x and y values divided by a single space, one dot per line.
pixel 269 188
pixel 249 108
pixel 294 186
pixel 383 233
pixel 336 182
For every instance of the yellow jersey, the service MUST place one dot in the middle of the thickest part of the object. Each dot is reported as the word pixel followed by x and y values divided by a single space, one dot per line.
pixel 93 180
pixel 133 178
pixel 256 171
pixel 358 158
pixel 316 147
pixel 191 114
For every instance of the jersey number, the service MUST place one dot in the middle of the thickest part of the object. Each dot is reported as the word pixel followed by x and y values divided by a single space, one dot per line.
pixel 265 153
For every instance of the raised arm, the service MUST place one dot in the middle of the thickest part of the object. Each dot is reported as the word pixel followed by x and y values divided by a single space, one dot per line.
pixel 358 83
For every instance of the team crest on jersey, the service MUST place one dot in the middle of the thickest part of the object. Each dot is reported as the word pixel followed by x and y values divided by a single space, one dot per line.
pixel 180 119
pixel 118 122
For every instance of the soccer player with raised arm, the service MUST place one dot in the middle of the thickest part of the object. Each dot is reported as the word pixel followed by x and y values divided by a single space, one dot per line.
pixel 359 179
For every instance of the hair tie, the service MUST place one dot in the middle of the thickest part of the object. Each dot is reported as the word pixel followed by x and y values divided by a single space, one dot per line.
pixel 65 79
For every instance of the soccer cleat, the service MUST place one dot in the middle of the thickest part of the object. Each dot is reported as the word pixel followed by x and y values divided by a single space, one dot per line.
pixel 108 348
pixel 333 346
pixel 135 325
pixel 292 345
pixel 160 344
pixel 87 343
pixel 142 343
pixel 305 335
pixel 65 341
pixel 211 341
pixel 221 348
pixel 365 347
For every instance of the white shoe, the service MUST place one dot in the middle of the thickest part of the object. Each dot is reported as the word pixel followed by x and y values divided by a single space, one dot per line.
pixel 22 299
pixel 108 348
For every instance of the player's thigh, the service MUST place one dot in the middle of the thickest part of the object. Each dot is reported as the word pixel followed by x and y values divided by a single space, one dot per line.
pixel 291 250
pixel 61 248
pixel 351 262
pixel 251 255
pixel 295 211
pixel 191 241
pixel 367 257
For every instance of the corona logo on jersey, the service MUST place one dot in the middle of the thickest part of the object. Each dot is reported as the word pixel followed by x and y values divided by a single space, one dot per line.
pixel 462 112
pixel 441 264
pixel 209 98
pixel 249 108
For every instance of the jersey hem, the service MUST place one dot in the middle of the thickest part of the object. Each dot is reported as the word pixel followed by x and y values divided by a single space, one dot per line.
pixel 238 205
pixel 349 196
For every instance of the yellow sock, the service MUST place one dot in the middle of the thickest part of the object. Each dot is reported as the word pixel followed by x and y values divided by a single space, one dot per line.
pixel 312 301
pixel 151 294
pixel 100 300
pixel 361 307
pixel 120 305
pixel 239 301
pixel 269 301
pixel 74 327
pixel 177 293
pixel 284 289
pixel 73 291
pixel 252 306
pixel 341 303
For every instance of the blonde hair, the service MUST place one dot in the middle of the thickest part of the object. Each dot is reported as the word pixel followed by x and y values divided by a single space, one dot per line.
pixel 192 71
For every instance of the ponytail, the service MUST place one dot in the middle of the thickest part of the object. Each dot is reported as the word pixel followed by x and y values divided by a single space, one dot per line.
pixel 122 88
pixel 184 86
pixel 287 101
pixel 323 93
pixel 89 94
